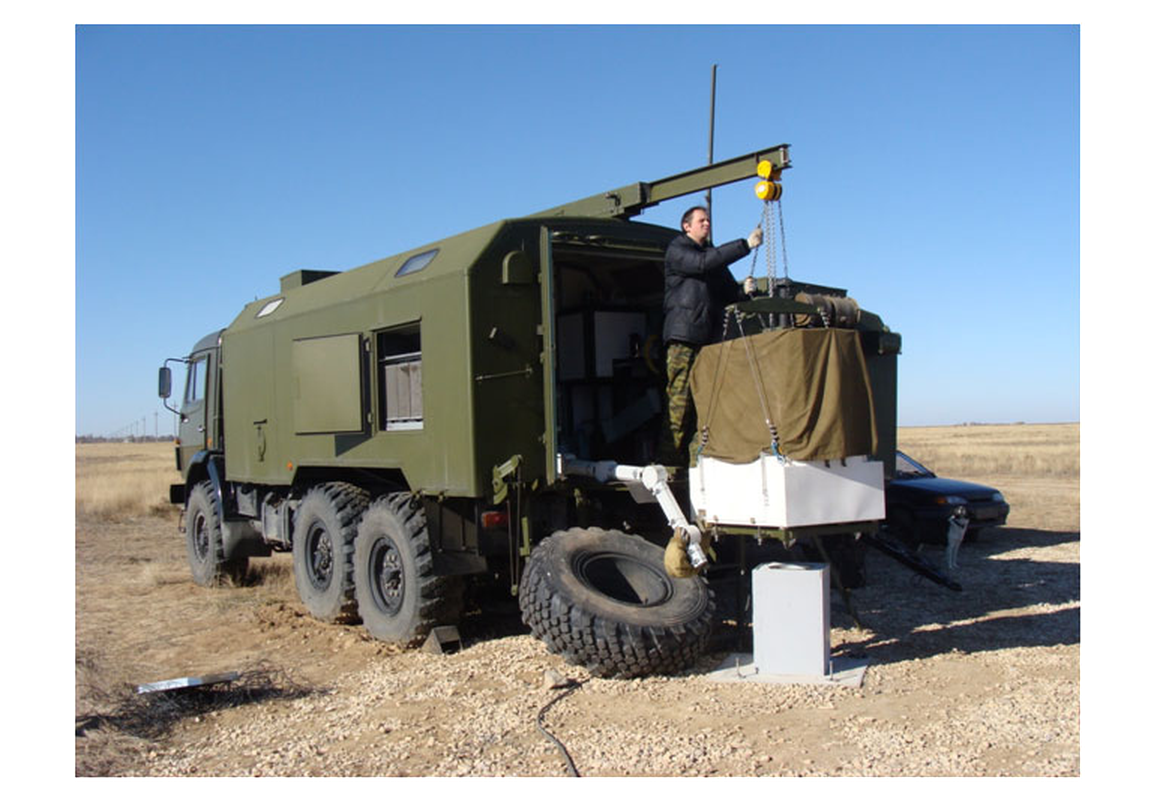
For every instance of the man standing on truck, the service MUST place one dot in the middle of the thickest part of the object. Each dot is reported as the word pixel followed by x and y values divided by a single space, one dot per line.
pixel 699 286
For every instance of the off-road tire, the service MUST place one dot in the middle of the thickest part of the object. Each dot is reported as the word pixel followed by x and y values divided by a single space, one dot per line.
pixel 399 598
pixel 205 544
pixel 602 600
pixel 324 528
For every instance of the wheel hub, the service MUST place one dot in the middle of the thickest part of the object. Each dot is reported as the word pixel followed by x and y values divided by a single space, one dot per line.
pixel 387 578
pixel 320 561
pixel 201 538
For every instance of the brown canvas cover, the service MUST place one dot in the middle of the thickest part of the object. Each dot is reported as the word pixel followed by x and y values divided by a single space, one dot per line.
pixel 815 388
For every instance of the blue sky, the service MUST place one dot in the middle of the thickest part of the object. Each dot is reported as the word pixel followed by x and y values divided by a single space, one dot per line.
pixel 936 176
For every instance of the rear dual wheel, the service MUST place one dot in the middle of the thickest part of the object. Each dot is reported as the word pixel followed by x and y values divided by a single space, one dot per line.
pixel 399 598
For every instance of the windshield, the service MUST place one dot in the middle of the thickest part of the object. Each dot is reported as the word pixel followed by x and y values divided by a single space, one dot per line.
pixel 907 467
pixel 195 382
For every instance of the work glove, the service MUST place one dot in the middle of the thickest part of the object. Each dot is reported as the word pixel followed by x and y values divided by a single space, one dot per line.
pixel 755 237
pixel 675 559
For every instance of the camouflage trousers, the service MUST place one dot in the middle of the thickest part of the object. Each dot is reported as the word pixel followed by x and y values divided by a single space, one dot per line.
pixel 680 410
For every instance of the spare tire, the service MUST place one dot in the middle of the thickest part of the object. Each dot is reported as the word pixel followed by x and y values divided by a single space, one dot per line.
pixel 602 600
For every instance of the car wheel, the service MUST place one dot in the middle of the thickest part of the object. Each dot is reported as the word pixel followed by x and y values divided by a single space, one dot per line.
pixel 902 526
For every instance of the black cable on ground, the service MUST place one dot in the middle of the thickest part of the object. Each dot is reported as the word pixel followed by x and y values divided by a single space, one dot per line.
pixel 573 684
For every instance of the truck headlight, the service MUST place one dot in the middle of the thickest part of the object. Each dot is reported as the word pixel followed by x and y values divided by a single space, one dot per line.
pixel 951 500
pixel 997 497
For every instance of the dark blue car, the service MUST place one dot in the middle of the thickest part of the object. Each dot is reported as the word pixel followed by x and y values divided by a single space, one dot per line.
pixel 918 504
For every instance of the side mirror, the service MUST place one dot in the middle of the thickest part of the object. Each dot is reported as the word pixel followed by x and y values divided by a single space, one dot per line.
pixel 165 384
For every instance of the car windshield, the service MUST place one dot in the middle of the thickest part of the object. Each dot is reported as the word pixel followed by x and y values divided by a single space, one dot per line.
pixel 907 467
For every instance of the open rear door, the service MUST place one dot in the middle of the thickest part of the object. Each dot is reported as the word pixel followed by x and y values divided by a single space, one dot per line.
pixel 549 358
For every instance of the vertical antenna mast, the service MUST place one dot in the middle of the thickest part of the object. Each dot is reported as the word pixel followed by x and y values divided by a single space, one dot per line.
pixel 711 138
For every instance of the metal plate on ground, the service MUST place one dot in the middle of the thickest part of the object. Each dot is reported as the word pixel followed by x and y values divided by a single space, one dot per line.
pixel 740 668
pixel 185 683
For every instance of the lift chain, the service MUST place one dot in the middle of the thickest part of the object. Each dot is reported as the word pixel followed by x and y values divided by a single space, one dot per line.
pixel 771 251
pixel 782 236
pixel 770 255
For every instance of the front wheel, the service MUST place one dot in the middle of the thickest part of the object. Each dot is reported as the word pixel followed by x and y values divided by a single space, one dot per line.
pixel 603 600
pixel 205 543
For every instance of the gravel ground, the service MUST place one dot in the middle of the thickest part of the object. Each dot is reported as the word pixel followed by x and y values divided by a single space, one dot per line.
pixel 980 683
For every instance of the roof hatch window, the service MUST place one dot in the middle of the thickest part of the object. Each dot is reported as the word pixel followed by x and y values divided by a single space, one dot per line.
pixel 415 263
pixel 270 307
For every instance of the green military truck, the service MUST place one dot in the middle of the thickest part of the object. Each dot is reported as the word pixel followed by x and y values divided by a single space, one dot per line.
pixel 488 408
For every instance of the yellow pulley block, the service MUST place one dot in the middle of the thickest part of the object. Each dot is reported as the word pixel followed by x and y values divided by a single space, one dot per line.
pixel 768 190
pixel 768 171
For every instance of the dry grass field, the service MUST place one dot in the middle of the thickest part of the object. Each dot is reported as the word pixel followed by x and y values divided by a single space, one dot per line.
pixel 1043 451
pixel 118 480
pixel 1036 467
pixel 985 682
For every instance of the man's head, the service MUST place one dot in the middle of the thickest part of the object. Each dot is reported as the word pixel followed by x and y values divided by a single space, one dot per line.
pixel 696 224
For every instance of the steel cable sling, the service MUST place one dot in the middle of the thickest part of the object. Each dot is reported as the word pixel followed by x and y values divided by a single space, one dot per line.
pixel 757 377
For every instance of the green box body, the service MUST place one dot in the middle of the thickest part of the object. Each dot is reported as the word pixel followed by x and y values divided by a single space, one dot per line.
pixel 462 368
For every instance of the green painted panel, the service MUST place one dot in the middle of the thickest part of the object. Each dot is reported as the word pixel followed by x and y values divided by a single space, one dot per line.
pixel 252 450
pixel 327 384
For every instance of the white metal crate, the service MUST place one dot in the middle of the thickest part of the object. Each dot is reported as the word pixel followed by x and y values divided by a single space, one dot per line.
pixel 768 492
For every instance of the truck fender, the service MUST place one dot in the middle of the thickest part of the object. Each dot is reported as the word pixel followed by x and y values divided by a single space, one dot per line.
pixel 238 535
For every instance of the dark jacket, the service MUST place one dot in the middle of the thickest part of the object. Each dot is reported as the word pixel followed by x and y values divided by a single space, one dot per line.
pixel 698 286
